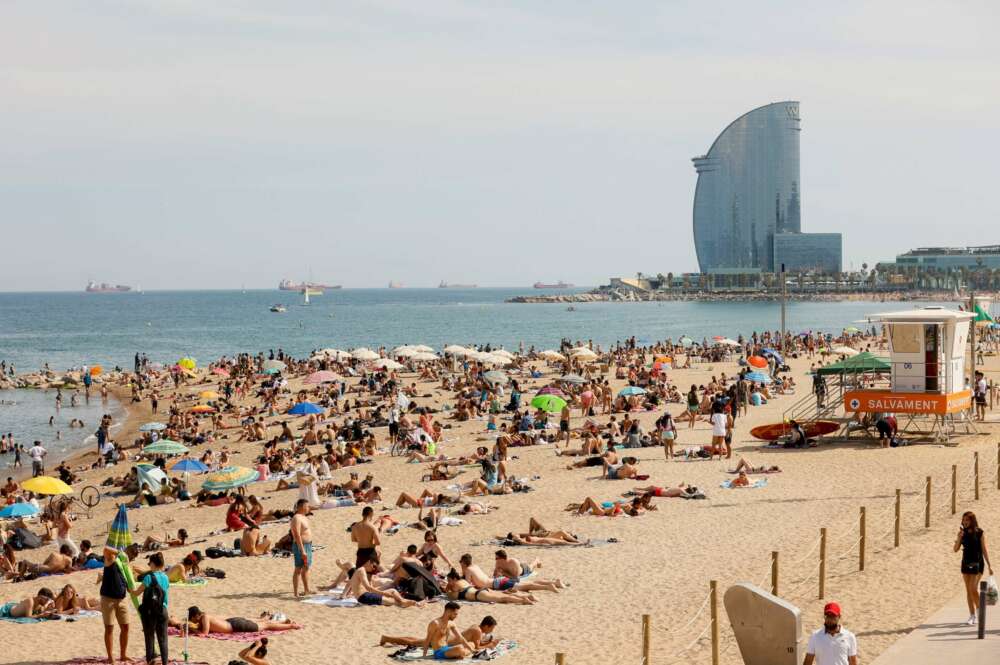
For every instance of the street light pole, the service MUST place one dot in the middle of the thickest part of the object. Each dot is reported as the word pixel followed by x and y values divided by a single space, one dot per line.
pixel 783 296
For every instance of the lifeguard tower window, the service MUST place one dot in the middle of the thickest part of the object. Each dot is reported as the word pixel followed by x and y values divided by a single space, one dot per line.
pixel 905 339
pixel 931 357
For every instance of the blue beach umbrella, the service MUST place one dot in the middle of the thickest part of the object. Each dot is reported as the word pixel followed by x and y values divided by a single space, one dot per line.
pixel 774 354
pixel 631 390
pixel 19 510
pixel 304 409
pixel 152 427
pixel 188 464
pixel 758 377
pixel 119 535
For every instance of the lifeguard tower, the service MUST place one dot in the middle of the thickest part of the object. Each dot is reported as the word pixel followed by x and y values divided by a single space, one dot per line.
pixel 928 375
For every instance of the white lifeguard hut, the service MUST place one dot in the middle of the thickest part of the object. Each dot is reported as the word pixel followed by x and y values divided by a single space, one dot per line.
pixel 927 349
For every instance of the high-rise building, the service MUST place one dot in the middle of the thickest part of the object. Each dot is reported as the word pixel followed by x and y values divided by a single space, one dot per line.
pixel 748 198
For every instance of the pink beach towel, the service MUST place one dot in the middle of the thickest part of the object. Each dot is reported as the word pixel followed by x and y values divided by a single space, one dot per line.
pixel 229 637
pixel 97 660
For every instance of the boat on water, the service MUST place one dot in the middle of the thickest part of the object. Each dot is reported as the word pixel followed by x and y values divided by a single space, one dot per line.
pixel 395 285
pixel 279 308
pixel 104 287
pixel 558 285
pixel 289 285
pixel 446 285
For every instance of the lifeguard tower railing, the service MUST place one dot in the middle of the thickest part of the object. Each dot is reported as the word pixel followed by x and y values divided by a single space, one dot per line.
pixel 929 378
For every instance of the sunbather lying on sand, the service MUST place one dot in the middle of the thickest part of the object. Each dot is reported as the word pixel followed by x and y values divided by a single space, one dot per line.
pixel 681 490
pixel 37 606
pixel 203 623
pixel 606 508
pixel 360 587
pixel 744 465
pixel 457 588
pixel 475 575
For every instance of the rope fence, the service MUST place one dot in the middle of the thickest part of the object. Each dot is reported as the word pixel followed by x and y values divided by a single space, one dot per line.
pixel 911 512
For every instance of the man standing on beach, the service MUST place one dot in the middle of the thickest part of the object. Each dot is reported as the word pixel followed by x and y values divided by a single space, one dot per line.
pixel 365 535
pixel 37 454
pixel 301 547
pixel 113 606
pixel 832 644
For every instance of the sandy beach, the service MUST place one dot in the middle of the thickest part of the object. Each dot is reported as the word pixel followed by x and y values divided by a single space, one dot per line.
pixel 661 564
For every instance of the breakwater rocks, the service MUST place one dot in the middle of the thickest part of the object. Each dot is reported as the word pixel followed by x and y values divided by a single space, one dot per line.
pixel 636 295
pixel 44 380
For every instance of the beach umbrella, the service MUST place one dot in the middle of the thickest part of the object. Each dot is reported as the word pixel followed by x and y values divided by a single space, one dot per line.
pixel 22 509
pixel 322 376
pixel 220 371
pixel 426 356
pixel 845 351
pixel 491 359
pixel 46 485
pixel 551 390
pixel 551 354
pixel 152 427
pixel 423 348
pixel 387 363
pixel 758 377
pixel 274 364
pixel 208 394
pixel 272 371
pixel 454 350
pixel 189 464
pixel 165 447
pixel 229 478
pixel 575 379
pixel 495 376
pixel 718 338
pixel 549 403
pixel 96 370
pixel 364 354
pixel 773 354
pixel 686 341
pixel 202 408
pixel 503 352
pixel 759 362
pixel 119 535
pixel 187 363
pixel 851 329
pixel 726 341
pixel 628 391
pixel 583 352
pixel 304 409
pixel 405 351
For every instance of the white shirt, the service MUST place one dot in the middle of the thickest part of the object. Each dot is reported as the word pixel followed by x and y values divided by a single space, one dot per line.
pixel 981 387
pixel 718 424
pixel 832 649
pixel 36 453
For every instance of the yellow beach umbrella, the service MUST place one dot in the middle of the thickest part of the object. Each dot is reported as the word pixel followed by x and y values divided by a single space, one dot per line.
pixel 187 363
pixel 208 394
pixel 202 408
pixel 46 485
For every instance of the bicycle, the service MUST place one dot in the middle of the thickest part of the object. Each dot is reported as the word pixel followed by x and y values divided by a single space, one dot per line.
pixel 90 496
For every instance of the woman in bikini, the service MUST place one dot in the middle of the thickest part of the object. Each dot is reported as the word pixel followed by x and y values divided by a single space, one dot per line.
pixel 666 492
pixel 69 602
pixel 459 589
pixel 431 545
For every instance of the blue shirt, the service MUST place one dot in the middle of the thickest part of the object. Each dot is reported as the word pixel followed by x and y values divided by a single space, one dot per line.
pixel 161 579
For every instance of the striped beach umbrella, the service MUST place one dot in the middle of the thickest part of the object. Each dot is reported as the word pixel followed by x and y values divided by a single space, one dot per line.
pixel 152 427
pixel 229 478
pixel 322 376
pixel 165 447
pixel 630 391
pixel 552 390
pixel 119 535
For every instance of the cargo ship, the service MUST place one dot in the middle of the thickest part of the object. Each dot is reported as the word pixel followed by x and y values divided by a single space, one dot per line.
pixel 558 285
pixel 446 285
pixel 103 287
pixel 289 285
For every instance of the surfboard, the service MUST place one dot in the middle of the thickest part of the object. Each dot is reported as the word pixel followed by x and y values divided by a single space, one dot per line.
pixel 775 431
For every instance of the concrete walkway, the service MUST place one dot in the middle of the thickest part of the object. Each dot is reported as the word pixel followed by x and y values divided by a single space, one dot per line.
pixel 944 638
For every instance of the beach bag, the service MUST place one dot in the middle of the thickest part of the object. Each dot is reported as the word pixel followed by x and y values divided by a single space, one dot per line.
pixel 151 607
pixel 25 540
pixel 992 592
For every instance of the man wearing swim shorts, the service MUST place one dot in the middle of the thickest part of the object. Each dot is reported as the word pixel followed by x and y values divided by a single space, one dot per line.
pixel 365 535
pixel 442 630
pixel 302 547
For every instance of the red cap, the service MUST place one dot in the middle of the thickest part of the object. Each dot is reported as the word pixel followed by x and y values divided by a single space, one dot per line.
pixel 832 608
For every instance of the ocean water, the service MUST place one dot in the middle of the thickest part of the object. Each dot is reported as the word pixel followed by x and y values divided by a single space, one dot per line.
pixel 71 329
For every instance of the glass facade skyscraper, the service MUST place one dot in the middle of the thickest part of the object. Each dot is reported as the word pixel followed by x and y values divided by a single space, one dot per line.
pixel 748 190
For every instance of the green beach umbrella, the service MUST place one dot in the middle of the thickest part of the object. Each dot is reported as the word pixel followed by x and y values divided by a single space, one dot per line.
pixel 119 536
pixel 165 447
pixel 229 478
pixel 549 403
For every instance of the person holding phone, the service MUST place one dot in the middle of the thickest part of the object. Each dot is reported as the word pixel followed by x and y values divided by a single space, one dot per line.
pixel 256 653
pixel 975 557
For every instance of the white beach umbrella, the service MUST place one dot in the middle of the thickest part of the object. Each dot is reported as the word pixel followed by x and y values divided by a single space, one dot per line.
pixel 422 348
pixel 274 364
pixel 729 342
pixel 364 354
pixel 503 352
pixel 844 351
pixel 583 353
pixel 405 351
pixel 551 354
pixel 491 359
pixel 425 357
pixel 455 350
pixel 387 363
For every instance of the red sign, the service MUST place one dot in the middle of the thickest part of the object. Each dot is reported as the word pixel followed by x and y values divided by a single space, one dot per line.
pixel 886 401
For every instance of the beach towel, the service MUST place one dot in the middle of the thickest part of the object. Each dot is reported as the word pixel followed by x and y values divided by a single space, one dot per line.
pixel 230 637
pixel 330 600
pixel 728 484
pixel 500 542
pixel 190 583
pixel 99 660
pixel 416 653
pixel 82 614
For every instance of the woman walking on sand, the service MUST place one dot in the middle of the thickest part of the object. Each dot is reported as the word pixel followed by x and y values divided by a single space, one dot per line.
pixel 972 541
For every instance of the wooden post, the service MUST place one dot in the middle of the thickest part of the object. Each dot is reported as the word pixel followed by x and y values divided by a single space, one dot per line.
pixel 861 543
pixel 645 639
pixel 715 622
pixel 895 541
pixel 560 659
pixel 822 563
pixel 774 573
pixel 998 466
pixel 927 506
pixel 954 488
pixel 975 461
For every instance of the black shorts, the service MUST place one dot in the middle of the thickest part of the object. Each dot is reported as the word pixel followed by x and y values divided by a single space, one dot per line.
pixel 981 400
pixel 972 567
pixel 241 625
pixel 363 555
pixel 595 461
pixel 393 429
pixel 563 425
pixel 884 428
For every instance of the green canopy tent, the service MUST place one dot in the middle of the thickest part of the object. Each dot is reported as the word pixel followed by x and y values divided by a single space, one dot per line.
pixel 859 364
pixel 982 316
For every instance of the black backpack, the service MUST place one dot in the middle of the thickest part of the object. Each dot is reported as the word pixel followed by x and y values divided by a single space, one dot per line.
pixel 151 606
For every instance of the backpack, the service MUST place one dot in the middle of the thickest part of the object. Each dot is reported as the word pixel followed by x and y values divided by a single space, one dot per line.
pixel 153 595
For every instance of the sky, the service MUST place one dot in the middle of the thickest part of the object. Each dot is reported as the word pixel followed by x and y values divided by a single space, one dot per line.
pixel 184 144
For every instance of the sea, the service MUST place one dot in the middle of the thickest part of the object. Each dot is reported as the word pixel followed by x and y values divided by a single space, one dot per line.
pixel 69 330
